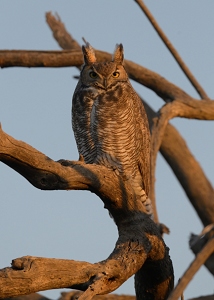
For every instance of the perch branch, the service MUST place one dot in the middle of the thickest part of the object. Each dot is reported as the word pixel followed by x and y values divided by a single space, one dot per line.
pixel 173 51
pixel 46 174
pixel 139 244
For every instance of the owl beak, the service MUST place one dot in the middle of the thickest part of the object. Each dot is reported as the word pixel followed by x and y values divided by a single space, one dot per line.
pixel 105 83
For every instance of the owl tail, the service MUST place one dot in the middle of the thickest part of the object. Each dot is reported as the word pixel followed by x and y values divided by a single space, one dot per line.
pixel 145 200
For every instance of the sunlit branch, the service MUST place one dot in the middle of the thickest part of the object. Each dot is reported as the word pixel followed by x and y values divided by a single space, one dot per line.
pixel 173 51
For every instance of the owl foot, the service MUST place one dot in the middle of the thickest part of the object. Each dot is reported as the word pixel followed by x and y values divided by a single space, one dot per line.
pixel 69 163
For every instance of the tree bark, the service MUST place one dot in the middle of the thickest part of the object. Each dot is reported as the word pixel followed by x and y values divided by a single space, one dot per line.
pixel 187 170
pixel 139 244
pixel 74 58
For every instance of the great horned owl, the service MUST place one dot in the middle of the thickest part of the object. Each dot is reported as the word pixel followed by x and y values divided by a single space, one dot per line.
pixel 109 121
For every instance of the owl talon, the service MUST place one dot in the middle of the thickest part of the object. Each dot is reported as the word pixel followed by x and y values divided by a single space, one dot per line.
pixel 70 163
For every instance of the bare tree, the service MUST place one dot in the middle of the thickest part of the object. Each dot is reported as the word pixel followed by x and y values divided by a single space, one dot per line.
pixel 140 248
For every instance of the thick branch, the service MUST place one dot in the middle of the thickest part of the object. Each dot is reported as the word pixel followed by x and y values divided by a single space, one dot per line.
pixel 189 173
pixel 46 174
pixel 37 59
pixel 30 274
pixel 184 108
pixel 187 169
pixel 173 51
pixel 68 58
pixel 139 243
pixel 187 108
pixel 63 38
pixel 75 294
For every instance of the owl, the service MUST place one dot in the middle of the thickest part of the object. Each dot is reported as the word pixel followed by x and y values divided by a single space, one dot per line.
pixel 110 123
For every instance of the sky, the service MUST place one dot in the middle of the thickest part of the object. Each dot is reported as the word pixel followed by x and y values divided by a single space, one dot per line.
pixel 35 107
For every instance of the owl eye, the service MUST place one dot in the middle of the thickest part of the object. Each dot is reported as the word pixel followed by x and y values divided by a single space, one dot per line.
pixel 93 74
pixel 115 74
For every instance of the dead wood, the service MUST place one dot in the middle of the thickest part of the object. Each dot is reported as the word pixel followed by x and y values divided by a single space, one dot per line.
pixel 172 49
pixel 187 170
pixel 63 38
pixel 187 108
pixel 139 249
pixel 74 58
pixel 75 294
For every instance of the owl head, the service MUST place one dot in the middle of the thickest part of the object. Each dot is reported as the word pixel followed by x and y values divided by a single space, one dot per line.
pixel 102 75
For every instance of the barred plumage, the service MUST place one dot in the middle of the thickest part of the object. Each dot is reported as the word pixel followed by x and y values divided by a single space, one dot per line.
pixel 109 121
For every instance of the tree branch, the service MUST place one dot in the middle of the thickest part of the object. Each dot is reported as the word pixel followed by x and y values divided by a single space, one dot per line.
pixel 173 51
pixel 73 58
pixel 187 108
pixel 139 243
pixel 193 268
pixel 63 38
pixel 187 170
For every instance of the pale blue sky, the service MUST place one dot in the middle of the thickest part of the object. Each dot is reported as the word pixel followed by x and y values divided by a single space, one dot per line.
pixel 35 107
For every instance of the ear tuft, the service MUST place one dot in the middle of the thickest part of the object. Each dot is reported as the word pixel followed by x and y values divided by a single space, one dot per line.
pixel 89 54
pixel 118 54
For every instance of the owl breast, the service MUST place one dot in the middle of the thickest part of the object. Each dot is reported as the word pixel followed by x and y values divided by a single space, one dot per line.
pixel 106 127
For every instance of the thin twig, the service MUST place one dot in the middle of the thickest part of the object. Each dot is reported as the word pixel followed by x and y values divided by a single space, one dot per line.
pixel 173 51
pixel 193 268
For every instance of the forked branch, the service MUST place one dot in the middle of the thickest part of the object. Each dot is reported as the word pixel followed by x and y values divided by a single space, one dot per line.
pixel 187 170
pixel 186 108
pixel 138 247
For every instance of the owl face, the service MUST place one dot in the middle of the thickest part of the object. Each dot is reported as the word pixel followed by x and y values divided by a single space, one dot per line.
pixel 103 75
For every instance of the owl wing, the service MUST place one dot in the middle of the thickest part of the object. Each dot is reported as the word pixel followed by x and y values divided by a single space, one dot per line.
pixel 143 140
pixel 81 123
